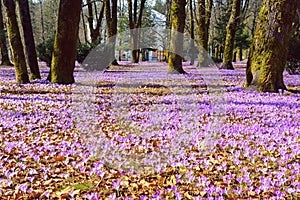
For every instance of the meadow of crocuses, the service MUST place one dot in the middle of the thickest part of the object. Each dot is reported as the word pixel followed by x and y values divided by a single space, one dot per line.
pixel 136 132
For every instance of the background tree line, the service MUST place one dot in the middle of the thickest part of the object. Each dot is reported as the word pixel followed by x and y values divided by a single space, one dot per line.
pixel 60 32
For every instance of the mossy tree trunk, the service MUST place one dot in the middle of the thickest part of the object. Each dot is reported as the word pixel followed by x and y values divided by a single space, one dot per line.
pixel 111 10
pixel 168 27
pixel 204 10
pixel 269 48
pixel 230 35
pixel 3 46
pixel 65 44
pixel 135 23
pixel 18 56
pixel 176 43
pixel 27 35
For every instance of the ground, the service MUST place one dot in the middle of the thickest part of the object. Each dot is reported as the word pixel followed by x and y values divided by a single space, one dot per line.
pixel 136 132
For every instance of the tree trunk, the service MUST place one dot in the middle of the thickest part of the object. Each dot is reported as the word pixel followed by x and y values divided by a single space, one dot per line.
pixel 111 8
pixel 90 18
pixel 135 53
pixel 134 41
pixel 168 27
pixel 97 37
pixel 240 53
pixel 230 35
pixel 3 46
pixel 220 52
pixel 217 50
pixel 234 56
pixel 42 20
pixel 176 42
pixel 65 44
pixel 135 23
pixel 18 56
pixel 29 50
pixel 204 10
pixel 84 27
pixel 94 32
pixel 255 15
pixel 192 41
pixel 269 48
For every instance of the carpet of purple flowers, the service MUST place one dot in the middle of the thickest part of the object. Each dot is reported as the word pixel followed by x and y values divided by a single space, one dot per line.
pixel 148 136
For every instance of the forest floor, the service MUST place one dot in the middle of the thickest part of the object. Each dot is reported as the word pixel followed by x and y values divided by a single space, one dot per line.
pixel 136 132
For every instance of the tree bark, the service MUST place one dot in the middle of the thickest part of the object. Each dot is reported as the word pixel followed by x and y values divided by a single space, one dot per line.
pixel 176 43
pixel 204 10
pixel 3 46
pixel 65 44
pixel 18 56
pixel 135 23
pixel 192 41
pixel 255 11
pixel 42 20
pixel 240 53
pixel 94 32
pixel 111 8
pixel 230 35
pixel 84 26
pixel 29 50
pixel 269 49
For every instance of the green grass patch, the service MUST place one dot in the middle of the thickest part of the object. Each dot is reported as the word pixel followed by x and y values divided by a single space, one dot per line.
pixel 84 186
